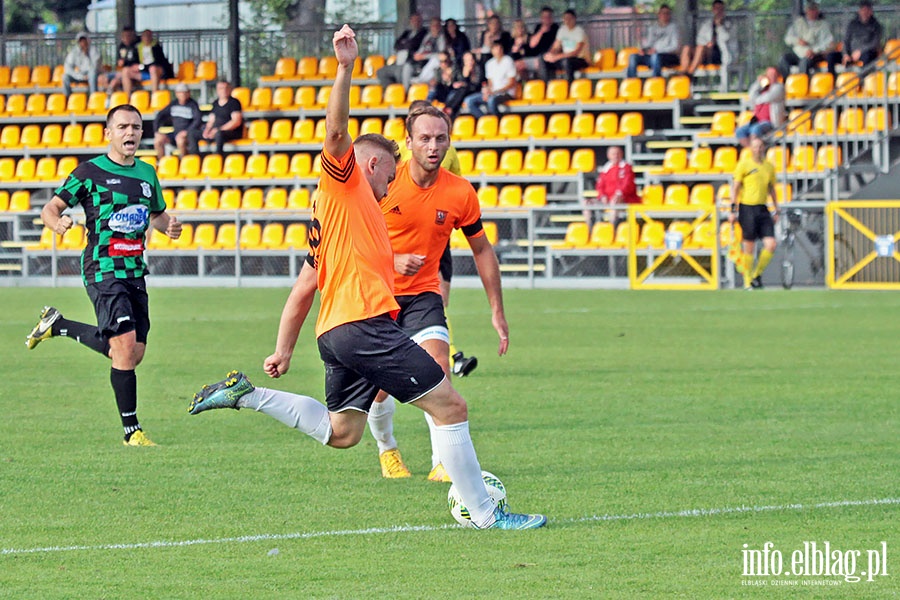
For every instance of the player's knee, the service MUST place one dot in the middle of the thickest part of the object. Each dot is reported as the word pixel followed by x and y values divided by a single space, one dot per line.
pixel 344 438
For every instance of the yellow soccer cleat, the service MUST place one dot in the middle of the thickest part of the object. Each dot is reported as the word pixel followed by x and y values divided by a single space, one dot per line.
pixel 44 328
pixel 392 466
pixel 439 474
pixel 138 438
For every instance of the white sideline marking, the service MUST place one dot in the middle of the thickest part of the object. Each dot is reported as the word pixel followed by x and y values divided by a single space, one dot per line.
pixel 694 512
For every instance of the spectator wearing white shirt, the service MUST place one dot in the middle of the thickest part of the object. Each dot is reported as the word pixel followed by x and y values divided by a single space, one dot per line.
pixel 82 64
pixel 500 87
pixel 570 52
pixel 660 45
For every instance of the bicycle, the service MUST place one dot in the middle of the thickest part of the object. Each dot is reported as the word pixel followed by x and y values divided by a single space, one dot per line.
pixel 806 229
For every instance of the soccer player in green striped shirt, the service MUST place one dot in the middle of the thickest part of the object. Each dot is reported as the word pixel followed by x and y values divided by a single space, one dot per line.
pixel 121 198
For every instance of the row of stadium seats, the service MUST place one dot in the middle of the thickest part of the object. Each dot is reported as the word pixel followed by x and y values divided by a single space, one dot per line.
pixel 253 198
pixel 28 170
pixel 38 76
pixel 651 235
pixel 702 159
pixel 800 86
pixel 52 136
pixel 700 195
pixel 78 104
pixel 18 201
pixel 852 120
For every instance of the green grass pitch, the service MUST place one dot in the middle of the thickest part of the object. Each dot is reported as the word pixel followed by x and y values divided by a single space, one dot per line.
pixel 773 414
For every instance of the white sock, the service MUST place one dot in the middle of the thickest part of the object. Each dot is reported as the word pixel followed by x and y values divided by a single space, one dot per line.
pixel 303 413
pixel 458 456
pixel 435 453
pixel 381 424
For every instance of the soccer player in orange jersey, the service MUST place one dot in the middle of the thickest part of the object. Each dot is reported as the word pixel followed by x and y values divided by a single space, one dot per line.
pixel 424 204
pixel 363 348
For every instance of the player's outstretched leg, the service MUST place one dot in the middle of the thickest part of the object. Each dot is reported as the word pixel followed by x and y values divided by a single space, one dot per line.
pixel 222 394
pixel 44 328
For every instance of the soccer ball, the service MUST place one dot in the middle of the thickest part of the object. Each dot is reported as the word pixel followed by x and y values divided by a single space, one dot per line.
pixel 496 490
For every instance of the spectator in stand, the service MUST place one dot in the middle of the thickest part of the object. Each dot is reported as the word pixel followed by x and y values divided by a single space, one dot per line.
pixel 717 42
pixel 493 33
pixel 615 185
pixel 439 87
pixel 862 40
pixel 519 35
pixel 128 63
pixel 811 41
pixel 539 43
pixel 404 47
pixel 570 52
pixel 423 65
pixel 82 64
pixel 154 65
pixel 500 87
pixel 469 81
pixel 457 41
pixel 769 111
pixel 225 122
pixel 184 115
pixel 660 45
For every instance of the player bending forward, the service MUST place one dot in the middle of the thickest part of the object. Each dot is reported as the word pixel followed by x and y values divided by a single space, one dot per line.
pixel 364 350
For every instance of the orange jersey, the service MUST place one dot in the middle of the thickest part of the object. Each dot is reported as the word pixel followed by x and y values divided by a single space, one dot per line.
pixel 420 221
pixel 350 247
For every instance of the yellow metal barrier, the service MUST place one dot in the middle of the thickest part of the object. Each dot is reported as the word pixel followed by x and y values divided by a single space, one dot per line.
pixel 673 248
pixel 863 245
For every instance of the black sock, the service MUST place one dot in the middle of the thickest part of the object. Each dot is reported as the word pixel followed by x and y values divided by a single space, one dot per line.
pixel 124 384
pixel 89 335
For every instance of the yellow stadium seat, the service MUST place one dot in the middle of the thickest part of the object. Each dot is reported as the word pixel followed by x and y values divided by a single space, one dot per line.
pixel 371 96
pixel 187 71
pixel 278 166
pixel 167 167
pixel 779 156
pixel 285 68
pixel 463 128
pixel 211 166
pixel 466 161
pixel 723 125
pixel 25 169
pixel 272 237
pixel 96 103
pixel 458 240
pixel 372 63
pixel 234 165
pixel 796 86
pixel 140 99
pixel 56 104
pixel 394 129
pixel 602 234
pixel 723 194
pixel 623 56
pixel 252 199
pixel 557 91
pixel 186 240
pixel 534 196
pixel 7 168
pixel 510 162
pixel 257 131
pixel 31 136
pixel 160 99
pixel 281 131
pixel 4 200
pixel 799 122
pixel 208 200
pixel 676 195
pixel 257 164
pixel 490 232
pixel 276 199
pixel 301 165
pixel 828 157
pixel 630 90
pixel 76 103
pixel 189 167
pixel 298 199
pixel 607 125
pixel 852 121
pixel 327 67
pixel 784 193
pixel 243 96
pixel 824 121
pixel 74 239
pixel 558 161
pixel 803 159
pixel 307 68
pixel 261 99
pixel 703 236
pixel 21 76
pixel 486 128
pixel 394 95
pixel 820 85
pixel 583 126
pixel 581 90
pixel 584 160
pixel 558 126
pixel 674 161
pixel 230 199
pixel 251 236
pixel 36 104
pixel 9 136
pixel 678 87
pixel 847 83
pixel 304 97
pixel 15 105
pixel 486 162
pixel 295 236
pixel 46 169
pixel 207 70
pixel 684 228
pixel 72 135
pixel 535 161
pixel 652 194
pixel 488 196
pixel 877 120
pixel 65 166
pixel 5 72
pixel 322 96
pixel 874 85
pixel 158 240
pixel 186 199
pixel 724 159
pixel 204 236
pixel 417 91
pixel 702 194
pixel 93 135
pixel 304 131
pixel 510 127
pixel 577 236
pixel 533 91
pixel 283 98
pixel 510 196
pixel 631 123
pixel 20 201
pixel 226 237
pixel 700 160
pixel 654 89
pixel 652 235
pixel 371 125
pixel 534 125
pixel 118 99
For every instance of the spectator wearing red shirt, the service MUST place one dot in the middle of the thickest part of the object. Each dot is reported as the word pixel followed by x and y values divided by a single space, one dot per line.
pixel 615 185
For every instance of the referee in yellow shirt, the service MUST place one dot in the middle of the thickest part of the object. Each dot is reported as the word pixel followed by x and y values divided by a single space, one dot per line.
pixel 754 181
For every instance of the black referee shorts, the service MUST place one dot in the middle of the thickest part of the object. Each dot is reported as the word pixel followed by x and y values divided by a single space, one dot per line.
pixel 756 222
pixel 363 357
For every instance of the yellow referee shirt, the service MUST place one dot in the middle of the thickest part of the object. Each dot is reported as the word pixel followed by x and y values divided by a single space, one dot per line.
pixel 755 179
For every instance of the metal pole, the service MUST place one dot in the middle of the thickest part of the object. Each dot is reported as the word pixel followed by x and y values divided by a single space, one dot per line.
pixel 234 42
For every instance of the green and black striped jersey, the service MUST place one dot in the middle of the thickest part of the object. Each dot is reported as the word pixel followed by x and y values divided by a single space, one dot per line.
pixel 117 201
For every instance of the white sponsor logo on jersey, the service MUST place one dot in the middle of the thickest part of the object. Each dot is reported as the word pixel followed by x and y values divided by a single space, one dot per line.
pixel 129 219
pixel 146 189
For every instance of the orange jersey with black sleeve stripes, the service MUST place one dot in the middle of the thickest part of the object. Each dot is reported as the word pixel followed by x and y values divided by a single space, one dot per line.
pixel 420 221
pixel 350 247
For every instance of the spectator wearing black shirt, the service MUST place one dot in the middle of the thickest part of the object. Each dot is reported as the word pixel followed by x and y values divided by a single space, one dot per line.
pixel 539 43
pixel 225 122
pixel 457 41
pixel 184 115
pixel 128 63
pixel 405 46
pixel 493 33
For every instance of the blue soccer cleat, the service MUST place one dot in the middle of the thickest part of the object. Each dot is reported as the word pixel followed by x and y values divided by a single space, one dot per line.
pixel 224 394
